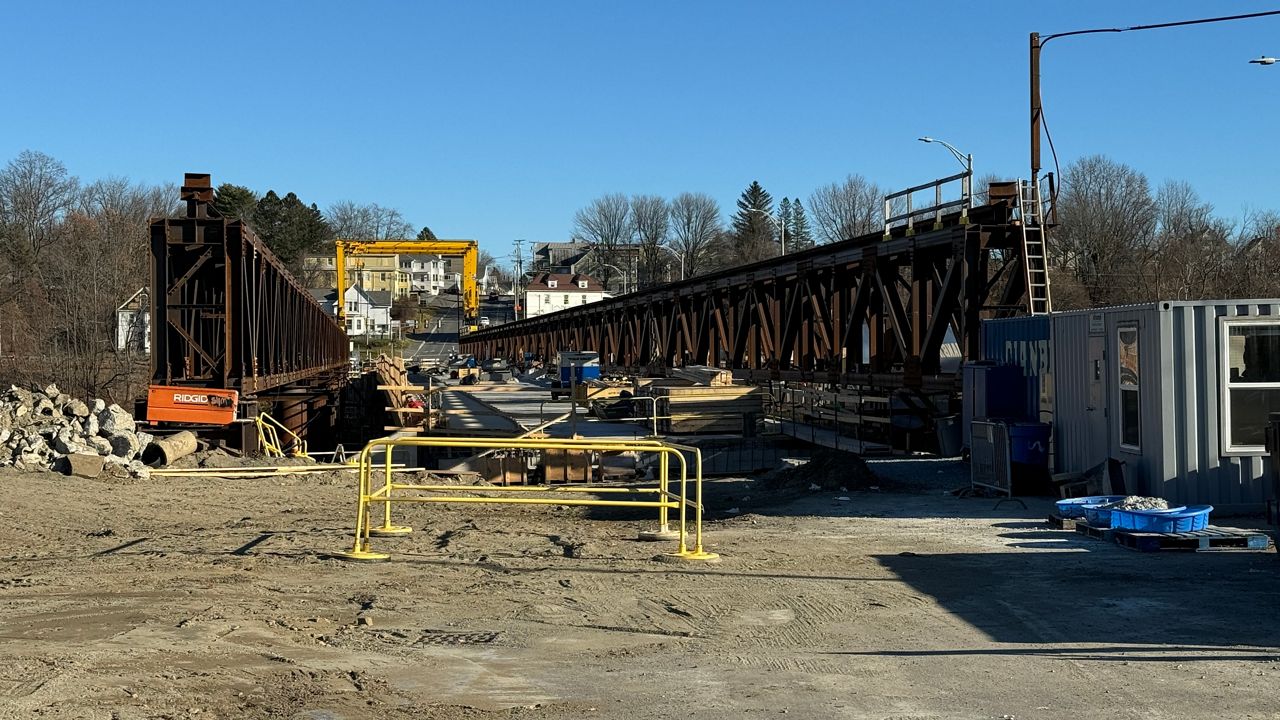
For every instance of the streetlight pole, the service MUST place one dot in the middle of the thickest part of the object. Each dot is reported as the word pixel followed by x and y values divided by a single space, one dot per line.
pixel 1038 43
pixel 679 256
pixel 965 159
pixel 777 224
pixel 621 272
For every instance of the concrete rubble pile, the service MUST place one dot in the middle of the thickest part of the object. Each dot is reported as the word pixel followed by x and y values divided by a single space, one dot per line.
pixel 46 429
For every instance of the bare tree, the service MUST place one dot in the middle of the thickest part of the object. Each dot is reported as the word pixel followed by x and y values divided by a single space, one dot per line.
pixel 695 223
pixel 604 224
pixel 1107 223
pixel 847 209
pixel 62 326
pixel 36 192
pixel 650 221
pixel 354 221
pixel 1189 256
pixel 1255 259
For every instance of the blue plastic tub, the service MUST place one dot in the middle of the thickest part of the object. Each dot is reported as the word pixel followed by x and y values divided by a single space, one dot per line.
pixel 1075 507
pixel 1096 516
pixel 1106 517
pixel 1185 519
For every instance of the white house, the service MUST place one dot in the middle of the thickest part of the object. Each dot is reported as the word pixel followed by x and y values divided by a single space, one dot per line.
pixel 133 324
pixel 428 273
pixel 368 311
pixel 549 292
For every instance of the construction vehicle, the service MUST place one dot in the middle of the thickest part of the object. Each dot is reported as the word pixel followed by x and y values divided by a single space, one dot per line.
pixel 469 250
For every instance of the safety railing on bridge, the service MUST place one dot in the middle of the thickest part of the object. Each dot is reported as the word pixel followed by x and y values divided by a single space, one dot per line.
pixel 900 209
pixel 387 491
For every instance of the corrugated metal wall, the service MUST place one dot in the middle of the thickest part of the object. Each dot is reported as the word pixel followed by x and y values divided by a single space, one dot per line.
pixel 1022 341
pixel 1178 347
pixel 1073 451
pixel 1193 468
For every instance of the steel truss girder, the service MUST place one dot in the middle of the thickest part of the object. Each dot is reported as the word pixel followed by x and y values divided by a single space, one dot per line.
pixel 227 314
pixel 860 308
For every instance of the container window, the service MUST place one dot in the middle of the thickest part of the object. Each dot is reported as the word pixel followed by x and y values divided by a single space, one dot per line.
pixel 1251 358
pixel 1130 376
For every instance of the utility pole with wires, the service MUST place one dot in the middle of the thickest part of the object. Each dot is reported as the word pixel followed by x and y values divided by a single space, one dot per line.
pixel 1038 41
pixel 517 282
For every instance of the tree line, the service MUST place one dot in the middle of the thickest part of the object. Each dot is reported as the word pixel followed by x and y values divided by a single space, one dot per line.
pixel 74 251
pixel 1117 240
pixel 688 234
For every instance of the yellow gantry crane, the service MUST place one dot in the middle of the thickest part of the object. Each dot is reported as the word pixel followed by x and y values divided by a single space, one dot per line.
pixel 468 249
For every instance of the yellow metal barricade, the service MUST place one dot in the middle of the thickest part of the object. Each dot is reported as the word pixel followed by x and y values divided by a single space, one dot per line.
pixel 269 438
pixel 389 492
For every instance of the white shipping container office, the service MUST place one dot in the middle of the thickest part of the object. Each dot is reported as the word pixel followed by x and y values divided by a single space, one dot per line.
pixel 1178 391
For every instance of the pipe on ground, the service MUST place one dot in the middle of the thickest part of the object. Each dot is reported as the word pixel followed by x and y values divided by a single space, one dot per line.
pixel 163 451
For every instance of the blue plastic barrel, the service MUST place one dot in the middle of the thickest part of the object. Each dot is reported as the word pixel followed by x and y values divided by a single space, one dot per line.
pixel 1029 443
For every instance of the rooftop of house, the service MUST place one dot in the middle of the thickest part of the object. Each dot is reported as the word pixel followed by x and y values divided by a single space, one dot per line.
pixel 541 282
pixel 379 298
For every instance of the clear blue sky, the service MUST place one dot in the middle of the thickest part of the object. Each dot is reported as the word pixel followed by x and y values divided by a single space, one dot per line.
pixel 497 120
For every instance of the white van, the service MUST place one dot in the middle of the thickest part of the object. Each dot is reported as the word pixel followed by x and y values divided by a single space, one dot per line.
pixel 484 322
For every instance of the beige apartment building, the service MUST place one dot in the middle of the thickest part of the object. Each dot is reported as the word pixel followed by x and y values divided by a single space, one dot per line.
pixel 374 273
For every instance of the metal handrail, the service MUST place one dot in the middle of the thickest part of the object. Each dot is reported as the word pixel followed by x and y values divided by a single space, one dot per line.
pixel 965 203
pixel 387 492
pixel 269 438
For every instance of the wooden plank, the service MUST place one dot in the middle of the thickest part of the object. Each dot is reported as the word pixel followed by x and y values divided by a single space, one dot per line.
pixel 1097 533
pixel 409 388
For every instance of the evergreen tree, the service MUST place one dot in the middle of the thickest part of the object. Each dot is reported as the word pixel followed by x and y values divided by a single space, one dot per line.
pixel 752 230
pixel 234 202
pixel 290 228
pixel 426 234
pixel 799 235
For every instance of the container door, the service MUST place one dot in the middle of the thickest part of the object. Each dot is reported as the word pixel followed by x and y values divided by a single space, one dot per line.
pixel 1096 410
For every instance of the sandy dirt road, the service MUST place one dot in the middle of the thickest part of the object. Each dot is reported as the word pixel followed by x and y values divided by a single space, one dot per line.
pixel 209 599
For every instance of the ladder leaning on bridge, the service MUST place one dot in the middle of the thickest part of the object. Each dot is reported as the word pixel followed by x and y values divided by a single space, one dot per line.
pixel 1035 256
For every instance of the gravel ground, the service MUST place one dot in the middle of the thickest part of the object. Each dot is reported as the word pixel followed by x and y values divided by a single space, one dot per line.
pixel 213 598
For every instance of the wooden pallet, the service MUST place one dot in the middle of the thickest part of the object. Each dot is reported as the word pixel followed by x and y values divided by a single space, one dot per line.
pixel 1211 538
pixel 1058 522
pixel 1097 533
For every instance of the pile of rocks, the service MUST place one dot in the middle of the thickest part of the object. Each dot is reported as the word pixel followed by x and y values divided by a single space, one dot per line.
pixel 46 429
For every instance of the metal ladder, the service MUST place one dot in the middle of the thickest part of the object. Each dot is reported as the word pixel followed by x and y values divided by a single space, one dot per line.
pixel 1035 258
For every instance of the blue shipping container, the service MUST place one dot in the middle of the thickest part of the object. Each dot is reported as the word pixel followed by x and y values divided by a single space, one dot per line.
pixel 1023 342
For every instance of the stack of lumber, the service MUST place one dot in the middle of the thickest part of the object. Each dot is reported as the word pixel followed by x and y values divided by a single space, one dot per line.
pixel 393 379
pixel 703 375
pixel 733 409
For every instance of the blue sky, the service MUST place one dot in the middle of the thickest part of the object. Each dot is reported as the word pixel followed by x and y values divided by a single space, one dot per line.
pixel 497 120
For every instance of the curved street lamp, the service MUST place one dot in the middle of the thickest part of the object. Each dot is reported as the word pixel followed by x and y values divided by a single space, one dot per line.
pixel 965 159
pixel 679 256
pixel 1038 42
pixel 777 224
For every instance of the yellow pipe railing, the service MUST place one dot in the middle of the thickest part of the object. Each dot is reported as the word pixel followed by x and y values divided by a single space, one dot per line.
pixel 269 438
pixel 664 502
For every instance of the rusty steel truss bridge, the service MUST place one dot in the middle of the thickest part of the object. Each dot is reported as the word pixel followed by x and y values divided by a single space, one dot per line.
pixel 875 310
pixel 227 315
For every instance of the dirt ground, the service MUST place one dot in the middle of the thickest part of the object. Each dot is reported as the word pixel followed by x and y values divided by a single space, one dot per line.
pixel 210 599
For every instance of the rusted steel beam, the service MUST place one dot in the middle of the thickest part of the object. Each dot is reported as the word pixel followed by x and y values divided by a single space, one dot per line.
pixel 227 314
pixel 875 303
